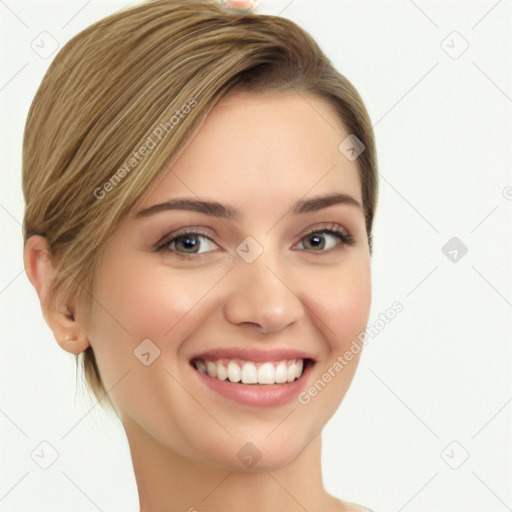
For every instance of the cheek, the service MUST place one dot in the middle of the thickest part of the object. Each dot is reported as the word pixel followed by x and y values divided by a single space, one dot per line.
pixel 170 301
pixel 341 305
pixel 342 300
pixel 138 301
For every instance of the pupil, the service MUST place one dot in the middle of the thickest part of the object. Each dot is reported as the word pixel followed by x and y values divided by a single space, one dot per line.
pixel 317 238
pixel 189 243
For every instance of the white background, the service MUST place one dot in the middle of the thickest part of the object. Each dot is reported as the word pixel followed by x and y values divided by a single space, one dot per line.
pixel 439 372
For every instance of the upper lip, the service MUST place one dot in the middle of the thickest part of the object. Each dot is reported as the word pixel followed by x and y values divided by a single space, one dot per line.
pixel 253 354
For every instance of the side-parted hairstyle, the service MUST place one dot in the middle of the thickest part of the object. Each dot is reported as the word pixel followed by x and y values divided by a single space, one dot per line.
pixel 122 99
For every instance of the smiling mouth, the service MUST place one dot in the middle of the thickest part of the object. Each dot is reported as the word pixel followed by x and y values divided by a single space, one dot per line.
pixel 251 372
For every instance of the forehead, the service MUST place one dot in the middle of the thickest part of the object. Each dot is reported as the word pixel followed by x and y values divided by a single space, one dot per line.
pixel 273 146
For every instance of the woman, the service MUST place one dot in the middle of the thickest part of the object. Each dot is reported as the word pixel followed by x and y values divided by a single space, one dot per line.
pixel 200 189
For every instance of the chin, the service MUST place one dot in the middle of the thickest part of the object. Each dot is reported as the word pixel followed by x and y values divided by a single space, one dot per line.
pixel 253 456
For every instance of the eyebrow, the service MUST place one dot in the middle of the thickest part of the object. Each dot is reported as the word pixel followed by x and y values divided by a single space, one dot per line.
pixel 225 211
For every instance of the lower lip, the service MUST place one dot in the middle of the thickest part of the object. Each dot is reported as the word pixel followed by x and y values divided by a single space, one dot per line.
pixel 257 395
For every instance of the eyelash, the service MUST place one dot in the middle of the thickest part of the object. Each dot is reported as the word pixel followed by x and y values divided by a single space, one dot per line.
pixel 344 236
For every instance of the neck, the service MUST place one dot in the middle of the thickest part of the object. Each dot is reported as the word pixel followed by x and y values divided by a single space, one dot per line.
pixel 168 481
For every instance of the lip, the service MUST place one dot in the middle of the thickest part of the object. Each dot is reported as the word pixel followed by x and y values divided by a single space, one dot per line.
pixel 258 395
pixel 253 354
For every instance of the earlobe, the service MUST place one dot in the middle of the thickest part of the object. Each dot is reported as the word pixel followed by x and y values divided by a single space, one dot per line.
pixel 73 345
pixel 39 266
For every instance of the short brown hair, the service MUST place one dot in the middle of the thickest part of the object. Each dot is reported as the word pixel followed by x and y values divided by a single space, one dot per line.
pixel 116 82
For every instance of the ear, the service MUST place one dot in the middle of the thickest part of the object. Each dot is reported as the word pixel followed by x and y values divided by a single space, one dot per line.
pixel 40 269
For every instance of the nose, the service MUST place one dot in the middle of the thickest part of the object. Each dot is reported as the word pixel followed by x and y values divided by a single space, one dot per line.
pixel 261 296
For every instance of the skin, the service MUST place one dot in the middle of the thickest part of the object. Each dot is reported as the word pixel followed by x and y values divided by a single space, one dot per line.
pixel 260 154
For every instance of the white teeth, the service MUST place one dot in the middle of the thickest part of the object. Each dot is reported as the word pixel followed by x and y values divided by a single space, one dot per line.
pixel 281 372
pixel 234 372
pixel 266 374
pixel 298 368
pixel 222 372
pixel 252 373
pixel 249 374
pixel 290 373
pixel 211 369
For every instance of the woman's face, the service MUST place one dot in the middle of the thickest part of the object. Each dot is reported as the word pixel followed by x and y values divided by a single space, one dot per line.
pixel 253 288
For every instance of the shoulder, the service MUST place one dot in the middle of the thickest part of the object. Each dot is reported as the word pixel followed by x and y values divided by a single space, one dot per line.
pixel 347 506
pixel 354 507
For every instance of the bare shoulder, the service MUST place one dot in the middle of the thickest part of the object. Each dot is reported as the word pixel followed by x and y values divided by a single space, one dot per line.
pixel 354 507
pixel 345 506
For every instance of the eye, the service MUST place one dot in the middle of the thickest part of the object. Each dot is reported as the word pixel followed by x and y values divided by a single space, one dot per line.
pixel 186 243
pixel 316 239
pixel 193 243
